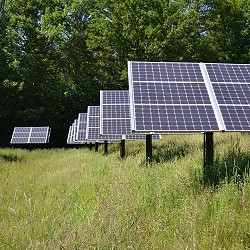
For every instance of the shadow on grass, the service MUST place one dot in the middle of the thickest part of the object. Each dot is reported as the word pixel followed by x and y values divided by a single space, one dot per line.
pixel 233 166
pixel 10 157
pixel 170 151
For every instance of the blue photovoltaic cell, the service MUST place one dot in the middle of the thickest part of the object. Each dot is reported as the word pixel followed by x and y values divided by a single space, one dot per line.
pixel 169 97
pixel 30 135
pixel 231 85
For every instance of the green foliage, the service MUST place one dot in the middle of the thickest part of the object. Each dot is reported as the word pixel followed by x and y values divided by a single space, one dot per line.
pixel 57 55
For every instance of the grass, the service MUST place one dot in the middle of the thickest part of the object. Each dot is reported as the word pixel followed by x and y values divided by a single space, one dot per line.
pixel 82 199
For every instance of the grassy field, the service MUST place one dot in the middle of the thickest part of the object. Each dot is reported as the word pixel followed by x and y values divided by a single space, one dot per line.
pixel 82 199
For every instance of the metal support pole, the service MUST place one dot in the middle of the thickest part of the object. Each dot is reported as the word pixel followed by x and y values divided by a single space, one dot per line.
pixel 208 153
pixel 96 146
pixel 149 148
pixel 122 148
pixel 105 147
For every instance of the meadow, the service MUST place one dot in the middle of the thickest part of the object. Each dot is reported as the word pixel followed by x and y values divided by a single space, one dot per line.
pixel 82 199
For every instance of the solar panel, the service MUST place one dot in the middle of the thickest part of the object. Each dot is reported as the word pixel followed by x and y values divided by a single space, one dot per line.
pixel 115 112
pixel 31 135
pixel 93 126
pixel 169 97
pixel 81 127
pixel 231 85
pixel 69 138
pixel 75 126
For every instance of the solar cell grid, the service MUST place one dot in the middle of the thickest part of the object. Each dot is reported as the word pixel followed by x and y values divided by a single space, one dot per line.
pixel 236 73
pixel 231 85
pixel 116 126
pixel 30 135
pixel 116 111
pixel 75 124
pixel 170 93
pixel 82 124
pixel 167 97
pixel 114 96
pixel 159 71
pixel 69 135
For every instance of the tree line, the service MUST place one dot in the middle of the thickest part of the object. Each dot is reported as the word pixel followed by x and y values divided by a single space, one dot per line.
pixel 55 56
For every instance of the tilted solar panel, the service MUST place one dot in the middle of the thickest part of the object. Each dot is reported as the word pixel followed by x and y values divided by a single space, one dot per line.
pixel 30 135
pixel 81 127
pixel 69 138
pixel 169 97
pixel 75 127
pixel 231 85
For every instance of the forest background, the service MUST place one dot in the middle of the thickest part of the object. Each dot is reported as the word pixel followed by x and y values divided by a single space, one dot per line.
pixel 56 55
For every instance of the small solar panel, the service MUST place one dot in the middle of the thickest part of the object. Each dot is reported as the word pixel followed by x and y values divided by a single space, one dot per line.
pixel 93 126
pixel 75 127
pixel 30 135
pixel 169 97
pixel 115 112
pixel 231 86
pixel 69 138
pixel 81 127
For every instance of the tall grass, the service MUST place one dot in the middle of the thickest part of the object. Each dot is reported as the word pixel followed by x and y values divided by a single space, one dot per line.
pixel 81 199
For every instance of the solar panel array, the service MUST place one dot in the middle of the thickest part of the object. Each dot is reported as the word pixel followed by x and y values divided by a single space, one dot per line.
pixel 115 118
pixel 77 131
pixel 30 135
pixel 189 97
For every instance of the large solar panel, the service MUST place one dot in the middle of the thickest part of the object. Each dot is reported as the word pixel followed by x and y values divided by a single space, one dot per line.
pixel 93 126
pixel 231 85
pixel 169 97
pixel 115 115
pixel 30 135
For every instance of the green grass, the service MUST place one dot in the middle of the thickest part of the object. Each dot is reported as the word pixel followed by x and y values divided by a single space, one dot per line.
pixel 81 199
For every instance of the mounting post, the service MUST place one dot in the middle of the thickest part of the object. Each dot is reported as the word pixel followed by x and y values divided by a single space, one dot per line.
pixel 122 148
pixel 208 152
pixel 96 146
pixel 149 148
pixel 105 147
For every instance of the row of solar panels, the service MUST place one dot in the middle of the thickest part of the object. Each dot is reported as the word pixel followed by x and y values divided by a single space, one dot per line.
pixel 88 128
pixel 169 97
